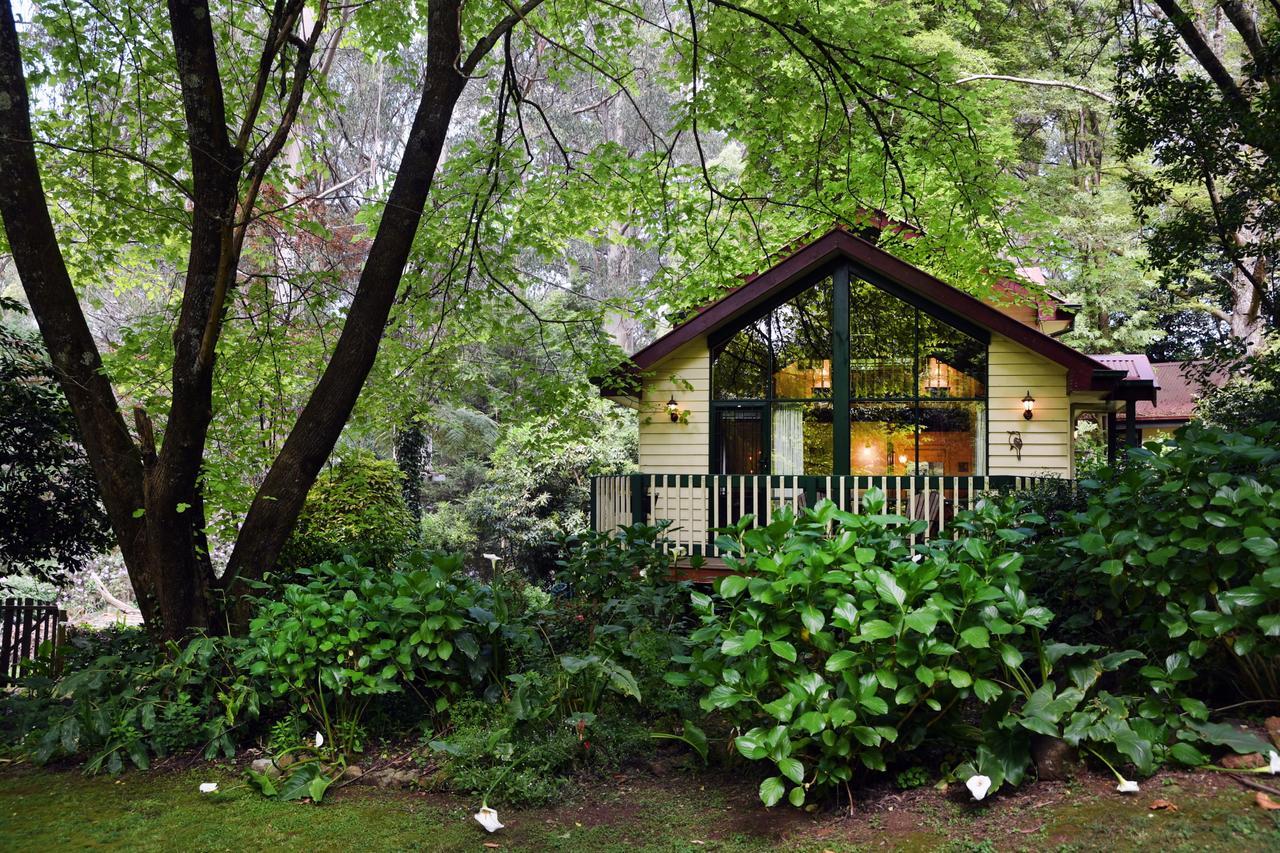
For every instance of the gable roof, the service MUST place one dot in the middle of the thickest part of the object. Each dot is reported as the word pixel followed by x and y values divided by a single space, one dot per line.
pixel 1083 372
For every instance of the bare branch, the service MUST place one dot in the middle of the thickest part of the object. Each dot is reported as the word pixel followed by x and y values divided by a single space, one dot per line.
pixel 1031 81
pixel 504 26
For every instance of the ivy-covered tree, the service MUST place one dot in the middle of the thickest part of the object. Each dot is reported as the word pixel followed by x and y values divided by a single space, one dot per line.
pixel 51 520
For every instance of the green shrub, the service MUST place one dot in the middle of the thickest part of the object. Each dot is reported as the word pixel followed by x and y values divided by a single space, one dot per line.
pixel 355 507
pixel 840 645
pixel 448 528
pixel 1250 396
pixel 139 701
pixel 1176 553
pixel 353 632
pixel 529 762
pixel 843 646
pixel 626 572
pixel 538 488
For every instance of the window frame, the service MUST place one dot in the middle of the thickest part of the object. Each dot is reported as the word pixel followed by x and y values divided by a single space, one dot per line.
pixel 842 275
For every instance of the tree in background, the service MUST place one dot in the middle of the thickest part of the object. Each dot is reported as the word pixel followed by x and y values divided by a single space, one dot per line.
pixel 1250 396
pixel 51 521
pixel 1198 91
pixel 200 197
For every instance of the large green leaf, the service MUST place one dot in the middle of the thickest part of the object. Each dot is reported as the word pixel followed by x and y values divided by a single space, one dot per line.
pixel 1225 734
pixel 772 790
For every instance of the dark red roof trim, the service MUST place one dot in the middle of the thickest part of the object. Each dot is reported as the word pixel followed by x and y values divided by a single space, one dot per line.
pixel 1083 372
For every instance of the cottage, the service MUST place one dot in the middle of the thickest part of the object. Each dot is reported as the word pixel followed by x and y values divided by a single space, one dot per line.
pixel 844 368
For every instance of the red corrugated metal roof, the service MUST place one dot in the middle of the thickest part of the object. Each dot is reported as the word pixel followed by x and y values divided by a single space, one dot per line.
pixel 1137 367
pixel 1180 388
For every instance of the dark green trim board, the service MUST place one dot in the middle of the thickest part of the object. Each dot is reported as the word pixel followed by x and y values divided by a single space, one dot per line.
pixel 840 368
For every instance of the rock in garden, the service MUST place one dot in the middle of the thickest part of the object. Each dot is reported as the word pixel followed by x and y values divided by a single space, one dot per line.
pixel 1056 760
pixel 1273 729
pixel 265 766
pixel 1243 762
pixel 395 778
pixel 352 772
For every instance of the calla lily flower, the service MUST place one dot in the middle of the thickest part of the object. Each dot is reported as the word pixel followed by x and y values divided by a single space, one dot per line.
pixel 208 787
pixel 488 818
pixel 978 786
pixel 1274 767
pixel 319 740
pixel 1127 786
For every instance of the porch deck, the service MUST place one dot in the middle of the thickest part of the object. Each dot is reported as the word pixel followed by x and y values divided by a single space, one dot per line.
pixel 697 504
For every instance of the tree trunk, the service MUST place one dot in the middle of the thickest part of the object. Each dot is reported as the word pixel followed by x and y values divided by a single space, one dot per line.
pixel 153 498
pixel 279 500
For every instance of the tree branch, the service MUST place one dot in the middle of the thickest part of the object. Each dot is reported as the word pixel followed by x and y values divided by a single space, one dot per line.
pixel 1032 81
pixel 504 26
pixel 1195 41
pixel 1243 20
pixel 278 501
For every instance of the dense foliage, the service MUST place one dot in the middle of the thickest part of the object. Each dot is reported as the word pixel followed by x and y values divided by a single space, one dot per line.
pixel 1250 396
pixel 1176 552
pixel 51 521
pixel 356 507
pixel 1108 618
pixel 125 700
pixel 352 631
pixel 840 645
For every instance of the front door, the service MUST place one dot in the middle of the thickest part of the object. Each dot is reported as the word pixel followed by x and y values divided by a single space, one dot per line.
pixel 741 447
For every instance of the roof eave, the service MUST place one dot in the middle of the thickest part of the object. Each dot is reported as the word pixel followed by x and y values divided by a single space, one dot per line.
pixel 841 244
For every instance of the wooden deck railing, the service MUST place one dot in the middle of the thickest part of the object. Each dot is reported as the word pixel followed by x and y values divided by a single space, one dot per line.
pixel 696 504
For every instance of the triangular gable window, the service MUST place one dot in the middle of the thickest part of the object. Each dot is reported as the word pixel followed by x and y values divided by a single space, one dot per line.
pixel 909 380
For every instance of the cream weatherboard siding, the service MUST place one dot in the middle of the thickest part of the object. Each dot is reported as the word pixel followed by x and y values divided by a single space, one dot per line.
pixel 1013 370
pixel 684 448
pixel 677 448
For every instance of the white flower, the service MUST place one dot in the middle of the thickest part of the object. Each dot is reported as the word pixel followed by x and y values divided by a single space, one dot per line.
pixel 915 558
pixel 208 787
pixel 1127 786
pixel 319 740
pixel 1274 768
pixel 492 558
pixel 488 818
pixel 978 786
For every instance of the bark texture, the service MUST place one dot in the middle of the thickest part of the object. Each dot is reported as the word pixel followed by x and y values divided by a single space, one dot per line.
pixel 152 494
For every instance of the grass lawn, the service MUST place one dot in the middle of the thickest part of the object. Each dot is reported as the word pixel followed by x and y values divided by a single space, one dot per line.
pixel 162 810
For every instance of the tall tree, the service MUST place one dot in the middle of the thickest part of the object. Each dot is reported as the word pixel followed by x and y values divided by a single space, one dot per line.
pixel 241 99
pixel 1198 89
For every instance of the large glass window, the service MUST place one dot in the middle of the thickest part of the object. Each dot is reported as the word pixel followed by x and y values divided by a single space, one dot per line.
pixel 801 438
pixel 898 352
pixel 916 389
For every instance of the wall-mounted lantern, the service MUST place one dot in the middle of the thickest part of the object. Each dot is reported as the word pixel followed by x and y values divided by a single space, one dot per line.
pixel 1028 406
pixel 673 409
